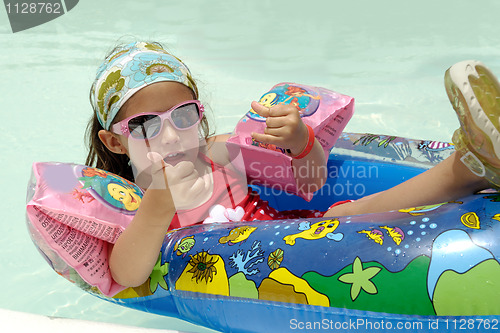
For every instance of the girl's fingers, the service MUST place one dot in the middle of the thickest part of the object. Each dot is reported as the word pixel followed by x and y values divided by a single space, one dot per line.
pixel 276 122
pixel 184 169
pixel 273 111
pixel 159 180
pixel 154 157
pixel 156 160
pixel 275 132
pixel 282 125
pixel 260 109
pixel 282 110
pixel 267 138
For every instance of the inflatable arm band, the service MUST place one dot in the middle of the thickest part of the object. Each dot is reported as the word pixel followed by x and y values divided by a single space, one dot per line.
pixel 75 213
pixel 325 111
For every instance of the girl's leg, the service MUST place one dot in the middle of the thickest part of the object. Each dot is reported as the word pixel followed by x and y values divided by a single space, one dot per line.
pixel 475 95
pixel 447 181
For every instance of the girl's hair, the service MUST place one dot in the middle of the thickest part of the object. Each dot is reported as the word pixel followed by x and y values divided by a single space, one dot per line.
pixel 100 157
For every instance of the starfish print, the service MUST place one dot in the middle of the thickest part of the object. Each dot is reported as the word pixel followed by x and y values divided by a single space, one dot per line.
pixel 157 277
pixel 82 195
pixel 360 279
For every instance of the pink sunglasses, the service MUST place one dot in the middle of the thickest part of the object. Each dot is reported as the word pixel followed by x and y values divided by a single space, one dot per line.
pixel 148 125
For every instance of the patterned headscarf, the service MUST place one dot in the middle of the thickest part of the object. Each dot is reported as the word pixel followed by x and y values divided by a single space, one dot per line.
pixel 127 70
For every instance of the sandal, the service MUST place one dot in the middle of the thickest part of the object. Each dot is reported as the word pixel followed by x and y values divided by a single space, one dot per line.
pixel 474 92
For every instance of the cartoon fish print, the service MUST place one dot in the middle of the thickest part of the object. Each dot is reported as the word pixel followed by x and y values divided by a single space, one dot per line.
pixel 395 233
pixel 435 145
pixel 316 231
pixel 421 210
pixel 184 246
pixel 237 235
pixel 376 235
pixel 128 196
pixel 269 99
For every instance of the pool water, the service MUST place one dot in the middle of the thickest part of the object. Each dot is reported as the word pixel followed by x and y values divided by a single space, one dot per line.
pixel 390 55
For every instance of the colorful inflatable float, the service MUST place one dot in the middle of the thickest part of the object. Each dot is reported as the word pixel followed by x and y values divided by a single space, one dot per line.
pixel 428 269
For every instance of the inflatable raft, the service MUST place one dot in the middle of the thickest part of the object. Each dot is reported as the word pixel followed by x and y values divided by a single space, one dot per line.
pixel 427 269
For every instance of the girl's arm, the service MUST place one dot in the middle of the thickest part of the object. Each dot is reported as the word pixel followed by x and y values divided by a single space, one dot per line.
pixel 310 171
pixel 135 253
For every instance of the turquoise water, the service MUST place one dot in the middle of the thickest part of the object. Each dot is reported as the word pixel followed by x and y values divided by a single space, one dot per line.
pixel 389 55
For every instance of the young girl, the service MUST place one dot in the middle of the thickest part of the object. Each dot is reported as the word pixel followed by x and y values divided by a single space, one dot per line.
pixel 149 127
pixel 140 86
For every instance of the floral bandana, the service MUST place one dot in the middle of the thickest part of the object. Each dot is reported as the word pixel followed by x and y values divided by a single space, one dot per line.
pixel 129 69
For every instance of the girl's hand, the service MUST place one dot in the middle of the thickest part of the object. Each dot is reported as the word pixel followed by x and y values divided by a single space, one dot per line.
pixel 284 127
pixel 183 180
pixel 158 165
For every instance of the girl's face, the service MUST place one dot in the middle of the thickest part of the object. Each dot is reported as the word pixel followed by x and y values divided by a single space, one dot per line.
pixel 172 144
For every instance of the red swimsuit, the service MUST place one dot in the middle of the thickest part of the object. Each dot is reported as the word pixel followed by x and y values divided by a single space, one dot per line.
pixel 228 188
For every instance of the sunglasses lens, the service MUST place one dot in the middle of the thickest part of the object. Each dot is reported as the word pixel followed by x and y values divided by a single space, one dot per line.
pixel 144 127
pixel 148 126
pixel 186 116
